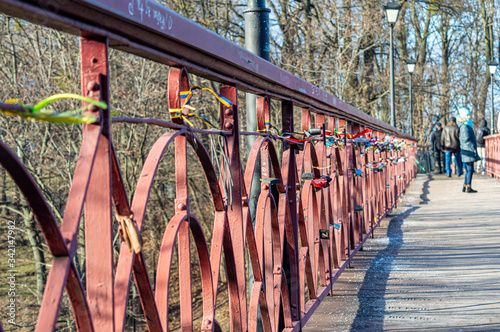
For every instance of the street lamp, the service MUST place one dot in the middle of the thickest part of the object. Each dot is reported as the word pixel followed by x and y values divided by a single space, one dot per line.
pixel 392 13
pixel 492 65
pixel 410 64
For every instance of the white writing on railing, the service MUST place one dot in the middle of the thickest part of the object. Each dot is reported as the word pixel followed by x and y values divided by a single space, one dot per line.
pixel 147 9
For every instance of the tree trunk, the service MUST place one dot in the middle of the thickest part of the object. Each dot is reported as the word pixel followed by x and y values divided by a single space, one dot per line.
pixel 444 98
pixel 486 13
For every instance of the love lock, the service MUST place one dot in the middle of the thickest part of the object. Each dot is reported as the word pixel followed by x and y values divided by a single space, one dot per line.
pixel 315 131
pixel 298 136
pixel 358 208
pixel 271 181
pixel 320 182
pixel 307 176
pixel 324 234
pixel 328 179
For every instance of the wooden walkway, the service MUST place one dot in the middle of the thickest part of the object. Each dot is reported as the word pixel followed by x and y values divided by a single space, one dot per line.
pixel 434 265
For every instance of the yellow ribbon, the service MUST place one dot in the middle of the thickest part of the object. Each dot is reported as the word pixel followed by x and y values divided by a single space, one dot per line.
pixel 39 113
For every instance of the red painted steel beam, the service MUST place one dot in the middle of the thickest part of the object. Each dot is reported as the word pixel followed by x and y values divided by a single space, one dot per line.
pixel 98 205
pixel 159 34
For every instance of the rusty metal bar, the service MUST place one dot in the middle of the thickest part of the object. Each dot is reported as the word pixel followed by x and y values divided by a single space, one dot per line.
pixel 98 205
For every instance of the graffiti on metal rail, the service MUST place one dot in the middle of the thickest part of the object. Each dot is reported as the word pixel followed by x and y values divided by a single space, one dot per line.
pixel 149 9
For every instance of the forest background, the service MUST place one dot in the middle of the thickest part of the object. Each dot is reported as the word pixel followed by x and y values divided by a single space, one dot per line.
pixel 341 46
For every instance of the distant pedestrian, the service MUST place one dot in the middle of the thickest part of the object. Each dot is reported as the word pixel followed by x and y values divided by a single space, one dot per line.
pixel 450 141
pixel 436 145
pixel 468 147
pixel 480 132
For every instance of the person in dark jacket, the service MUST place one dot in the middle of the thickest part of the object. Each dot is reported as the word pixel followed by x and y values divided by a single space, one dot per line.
pixel 480 132
pixel 468 147
pixel 450 141
pixel 436 145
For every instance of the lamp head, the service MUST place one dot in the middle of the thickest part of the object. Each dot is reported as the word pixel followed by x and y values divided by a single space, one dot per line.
pixel 410 64
pixel 392 11
pixel 493 66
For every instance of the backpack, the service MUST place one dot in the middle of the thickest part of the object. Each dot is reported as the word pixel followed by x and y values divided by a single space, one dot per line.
pixel 480 136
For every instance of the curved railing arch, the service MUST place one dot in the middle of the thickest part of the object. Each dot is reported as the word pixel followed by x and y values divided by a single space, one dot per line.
pixel 62 260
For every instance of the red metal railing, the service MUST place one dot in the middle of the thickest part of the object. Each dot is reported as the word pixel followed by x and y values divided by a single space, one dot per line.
pixel 492 145
pixel 302 221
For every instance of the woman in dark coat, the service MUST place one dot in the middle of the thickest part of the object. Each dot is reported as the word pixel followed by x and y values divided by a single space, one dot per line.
pixel 468 147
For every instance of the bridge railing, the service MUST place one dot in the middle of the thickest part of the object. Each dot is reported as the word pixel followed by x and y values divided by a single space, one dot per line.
pixel 426 158
pixel 319 202
pixel 492 146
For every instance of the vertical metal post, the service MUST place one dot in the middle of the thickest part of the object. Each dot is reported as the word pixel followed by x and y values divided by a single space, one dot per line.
pixel 257 28
pixel 98 203
pixel 492 108
pixel 393 102
pixel 257 42
pixel 411 104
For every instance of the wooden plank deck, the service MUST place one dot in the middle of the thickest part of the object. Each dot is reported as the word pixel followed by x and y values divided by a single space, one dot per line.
pixel 434 265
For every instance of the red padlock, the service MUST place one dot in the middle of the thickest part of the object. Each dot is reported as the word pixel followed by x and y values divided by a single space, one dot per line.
pixel 320 182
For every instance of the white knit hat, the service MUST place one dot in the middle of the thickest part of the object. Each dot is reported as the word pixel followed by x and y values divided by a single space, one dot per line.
pixel 463 112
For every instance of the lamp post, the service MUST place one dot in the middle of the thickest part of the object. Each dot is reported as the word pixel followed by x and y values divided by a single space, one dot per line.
pixel 410 64
pixel 493 68
pixel 257 42
pixel 392 13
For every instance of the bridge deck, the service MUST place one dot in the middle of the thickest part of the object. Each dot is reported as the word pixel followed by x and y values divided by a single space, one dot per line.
pixel 434 265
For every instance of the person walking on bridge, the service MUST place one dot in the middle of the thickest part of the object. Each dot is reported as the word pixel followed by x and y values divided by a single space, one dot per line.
pixel 468 147
pixel 480 132
pixel 436 145
pixel 450 141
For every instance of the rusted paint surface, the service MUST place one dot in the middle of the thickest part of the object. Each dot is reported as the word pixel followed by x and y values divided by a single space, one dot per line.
pixel 304 236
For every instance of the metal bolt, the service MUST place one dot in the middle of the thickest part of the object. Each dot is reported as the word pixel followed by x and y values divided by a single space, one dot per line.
pixel 229 126
pixel 207 322
pixel 181 207
pixel 228 112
